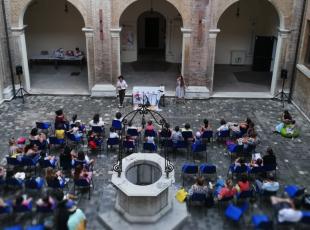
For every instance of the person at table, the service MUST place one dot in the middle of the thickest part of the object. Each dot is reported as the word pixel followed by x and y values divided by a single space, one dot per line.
pixel 286 119
pixel 180 89
pixel 78 52
pixel 121 86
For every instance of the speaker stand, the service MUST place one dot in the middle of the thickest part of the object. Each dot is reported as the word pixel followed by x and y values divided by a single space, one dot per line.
pixel 282 96
pixel 21 91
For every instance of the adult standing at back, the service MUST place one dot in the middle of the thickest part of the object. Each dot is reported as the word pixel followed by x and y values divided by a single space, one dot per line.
pixel 180 89
pixel 121 86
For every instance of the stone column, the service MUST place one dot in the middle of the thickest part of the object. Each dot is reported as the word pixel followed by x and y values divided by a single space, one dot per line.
pixel 211 56
pixel 89 34
pixel 20 54
pixel 186 51
pixel 116 53
pixel 279 58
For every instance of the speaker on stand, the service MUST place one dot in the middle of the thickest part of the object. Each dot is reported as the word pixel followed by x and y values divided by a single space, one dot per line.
pixel 282 96
pixel 21 91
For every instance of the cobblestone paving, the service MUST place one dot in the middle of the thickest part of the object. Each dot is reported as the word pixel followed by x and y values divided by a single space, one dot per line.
pixel 17 119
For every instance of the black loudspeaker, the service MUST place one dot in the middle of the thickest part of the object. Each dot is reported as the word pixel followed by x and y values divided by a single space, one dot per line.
pixel 284 74
pixel 19 70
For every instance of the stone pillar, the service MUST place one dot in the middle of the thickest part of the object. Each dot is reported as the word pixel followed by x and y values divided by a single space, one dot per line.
pixel 116 53
pixel 89 34
pixel 20 54
pixel 279 58
pixel 186 52
pixel 211 56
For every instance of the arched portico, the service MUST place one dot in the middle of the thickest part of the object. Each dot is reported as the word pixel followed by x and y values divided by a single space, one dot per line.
pixel 19 39
pixel 235 10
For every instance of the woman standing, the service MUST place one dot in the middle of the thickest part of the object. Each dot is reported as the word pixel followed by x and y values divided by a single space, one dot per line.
pixel 121 87
pixel 180 89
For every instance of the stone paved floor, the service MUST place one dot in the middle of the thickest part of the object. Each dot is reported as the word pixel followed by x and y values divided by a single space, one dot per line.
pixel 16 119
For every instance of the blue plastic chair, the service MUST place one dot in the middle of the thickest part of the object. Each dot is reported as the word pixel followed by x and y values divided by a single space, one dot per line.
pixel 14 161
pixel 187 135
pixel 55 184
pixel 13 182
pixel 234 212
pixel 43 125
pixel 15 227
pixel 199 198
pixel 151 147
pixel 30 162
pixel 35 227
pixel 129 145
pixel 294 191
pixel 207 135
pixel 223 135
pixel 189 169
pixel 76 140
pixel 207 169
pixel 305 217
pixel 8 208
pixel 34 183
pixel 47 163
pixel 83 184
pixel 117 125
pixel 113 142
pixel 199 148
pixel 150 133
pixel 262 222
pixel 132 132
pixel 55 141
pixel 238 169
pixel 245 195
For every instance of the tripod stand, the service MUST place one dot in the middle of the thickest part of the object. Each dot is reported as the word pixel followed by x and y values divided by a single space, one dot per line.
pixel 282 96
pixel 21 90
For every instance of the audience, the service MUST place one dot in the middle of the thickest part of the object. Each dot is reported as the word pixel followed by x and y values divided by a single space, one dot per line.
pixel 269 185
pixel 113 133
pixel 96 121
pixel 176 135
pixel 206 126
pixel 198 187
pixel 269 158
pixel 243 184
pixel 286 209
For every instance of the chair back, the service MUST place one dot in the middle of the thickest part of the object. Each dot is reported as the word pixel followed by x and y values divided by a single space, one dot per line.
pixel 47 163
pixel 81 183
pixel 239 169
pixel 190 169
pixel 132 132
pixel 74 138
pixel 255 170
pixel 196 148
pixel 198 197
pixel 187 135
pixel 7 208
pixel 56 141
pixel 117 125
pixel 224 133
pixel 245 194
pixel 262 221
pixel 23 208
pixel 149 147
pixel 207 169
pixel 113 141
pixel 53 183
pixel 43 125
pixel 13 161
pixel 97 129
pixel 128 144
pixel 233 213
pixel 30 161
pixel 43 209
pixel 79 162
pixel 181 144
pixel 14 182
pixel 32 183
pixel 150 133
pixel 207 134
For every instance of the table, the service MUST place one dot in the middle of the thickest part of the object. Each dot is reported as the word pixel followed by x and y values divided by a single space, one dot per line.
pixel 148 94
pixel 56 60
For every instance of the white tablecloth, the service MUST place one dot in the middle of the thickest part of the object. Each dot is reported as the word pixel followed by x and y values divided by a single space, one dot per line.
pixel 147 94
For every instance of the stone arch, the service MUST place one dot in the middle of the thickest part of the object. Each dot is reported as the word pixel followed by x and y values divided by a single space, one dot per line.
pixel 176 3
pixel 229 3
pixel 20 7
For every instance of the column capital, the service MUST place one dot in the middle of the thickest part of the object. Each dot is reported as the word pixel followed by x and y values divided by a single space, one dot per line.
pixel 19 29
pixel 115 32
pixel 213 33
pixel 89 32
pixel 283 32
pixel 186 30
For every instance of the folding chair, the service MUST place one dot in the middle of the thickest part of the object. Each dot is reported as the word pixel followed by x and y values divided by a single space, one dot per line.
pixel 54 141
pixel 271 168
pixel 150 133
pixel 75 140
pixel 129 146
pixel 22 208
pixel 151 147
pixel 223 135
pixel 43 126
pixel 294 191
pixel 235 213
pixel 35 227
pixel 199 148
pixel 83 184
pixel 245 195
pixel 47 163
pixel 181 144
pixel 34 183
pixel 31 162
pixel 112 142
pixel 15 227
pixel 237 170
pixel 98 130
pixel 189 169
pixel 117 125
pixel 8 208
pixel 13 182
pixel 262 222
pixel 207 169
pixel 13 161
pixel 55 184
pixel 207 136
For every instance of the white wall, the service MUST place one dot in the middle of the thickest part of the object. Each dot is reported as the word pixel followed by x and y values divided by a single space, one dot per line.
pixel 129 20
pixel 256 18
pixel 49 27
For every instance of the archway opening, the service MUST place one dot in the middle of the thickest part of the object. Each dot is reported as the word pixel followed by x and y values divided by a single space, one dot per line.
pixel 151 44
pixel 56 48
pixel 246 47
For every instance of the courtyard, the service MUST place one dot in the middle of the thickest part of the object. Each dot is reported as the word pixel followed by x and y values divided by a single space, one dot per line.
pixel 293 155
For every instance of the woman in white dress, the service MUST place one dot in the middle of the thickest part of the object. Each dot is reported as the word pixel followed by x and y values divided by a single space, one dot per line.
pixel 180 89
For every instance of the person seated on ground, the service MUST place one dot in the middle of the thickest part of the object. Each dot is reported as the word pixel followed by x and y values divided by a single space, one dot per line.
pixel 113 133
pixel 206 126
pixel 96 121
pixel 251 130
pixel 198 187
pixel 81 172
pixel 31 150
pixel 224 190
pixel 82 157
pixel 52 175
pixel 22 201
pixel 256 163
pixel 46 202
pixel 176 135
pixel 269 158
pixel 14 150
pixel 269 184
pixel 243 184
pixel 286 209
pixel 223 126
pixel 241 164
pixel 244 125
pixel 187 129
pixel 77 219
pixel 286 119
pixel 60 120
pixel 75 131
pixel 149 126
pixel 165 132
